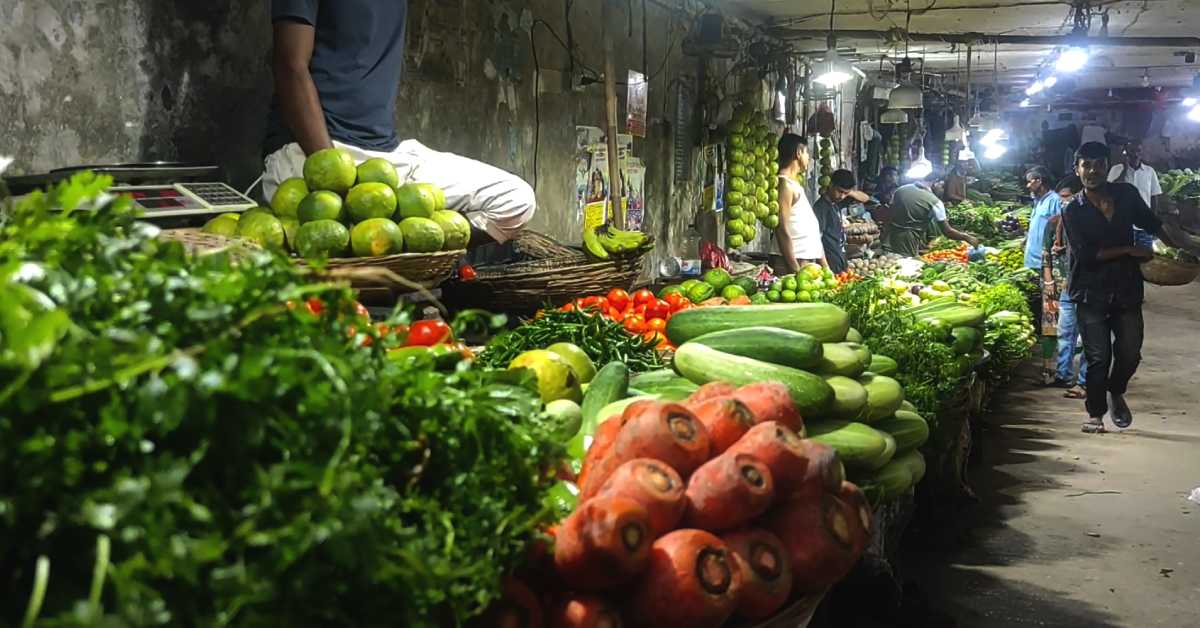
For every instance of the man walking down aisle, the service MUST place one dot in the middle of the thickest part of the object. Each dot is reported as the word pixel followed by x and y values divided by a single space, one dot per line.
pixel 1140 175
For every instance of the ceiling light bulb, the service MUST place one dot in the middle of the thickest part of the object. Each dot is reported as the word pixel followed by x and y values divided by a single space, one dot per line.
pixel 833 78
pixel 993 137
pixel 1189 101
pixel 1050 81
pixel 995 151
pixel 1025 103
pixel 1033 89
pixel 1194 114
pixel 1071 59
pixel 919 169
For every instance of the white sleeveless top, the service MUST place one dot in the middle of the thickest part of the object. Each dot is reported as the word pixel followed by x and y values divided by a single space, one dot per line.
pixel 803 227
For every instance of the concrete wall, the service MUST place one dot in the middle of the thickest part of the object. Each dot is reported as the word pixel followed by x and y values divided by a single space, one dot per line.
pixel 121 80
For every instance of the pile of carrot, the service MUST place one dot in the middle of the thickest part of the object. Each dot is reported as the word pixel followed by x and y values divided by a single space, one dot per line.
pixel 694 513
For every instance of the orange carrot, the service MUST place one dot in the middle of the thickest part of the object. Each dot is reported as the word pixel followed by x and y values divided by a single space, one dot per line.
pixel 725 419
pixel 602 440
pixel 654 485
pixel 784 453
pixel 819 539
pixel 517 607
pixel 584 611
pixel 859 513
pixel 691 580
pixel 824 474
pixel 771 401
pixel 663 431
pixel 728 491
pixel 603 543
pixel 709 391
pixel 766 571
pixel 742 300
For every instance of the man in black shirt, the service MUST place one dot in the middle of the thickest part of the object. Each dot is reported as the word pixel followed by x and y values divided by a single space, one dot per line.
pixel 1105 282
pixel 337 69
pixel 828 209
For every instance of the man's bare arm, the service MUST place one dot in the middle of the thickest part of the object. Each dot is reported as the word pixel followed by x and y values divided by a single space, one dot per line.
pixel 298 97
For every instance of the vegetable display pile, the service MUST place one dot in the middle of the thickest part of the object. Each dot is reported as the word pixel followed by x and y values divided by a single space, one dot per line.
pixel 181 447
pixel 602 339
pixel 983 220
pixel 1181 184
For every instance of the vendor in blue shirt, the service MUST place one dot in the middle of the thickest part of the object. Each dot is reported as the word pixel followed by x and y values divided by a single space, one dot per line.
pixel 1046 211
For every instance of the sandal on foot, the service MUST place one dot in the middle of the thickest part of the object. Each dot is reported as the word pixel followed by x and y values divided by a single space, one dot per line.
pixel 1094 425
pixel 1076 393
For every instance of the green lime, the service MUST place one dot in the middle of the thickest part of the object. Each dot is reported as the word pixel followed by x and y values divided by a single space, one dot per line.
pixel 736 241
pixel 330 169
pixel 320 205
pixel 416 200
pixel 456 227
pixel 378 170
pixel 223 225
pixel 370 200
pixel 804 296
pixel 376 236
pixel 286 201
pixel 700 292
pixel 576 358
pixel 774 296
pixel 718 278
pixel 422 235
pixel 290 227
pixel 321 238
pixel 732 291
pixel 790 283
pixel 263 228
pixel 788 296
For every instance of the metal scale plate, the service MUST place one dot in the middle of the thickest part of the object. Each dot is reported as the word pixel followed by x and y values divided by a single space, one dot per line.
pixel 186 199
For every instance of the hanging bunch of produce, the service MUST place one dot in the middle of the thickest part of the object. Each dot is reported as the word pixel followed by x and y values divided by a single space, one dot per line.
pixel 751 194
pixel 606 242
pixel 825 161
pixel 893 155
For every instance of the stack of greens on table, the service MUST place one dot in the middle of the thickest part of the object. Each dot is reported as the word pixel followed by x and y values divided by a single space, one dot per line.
pixel 981 219
pixel 203 440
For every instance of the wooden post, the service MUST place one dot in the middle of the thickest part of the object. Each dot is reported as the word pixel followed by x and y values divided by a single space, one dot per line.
pixel 617 217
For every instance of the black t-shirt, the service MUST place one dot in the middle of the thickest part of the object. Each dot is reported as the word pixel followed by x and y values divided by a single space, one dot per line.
pixel 833 234
pixel 357 61
pixel 1117 281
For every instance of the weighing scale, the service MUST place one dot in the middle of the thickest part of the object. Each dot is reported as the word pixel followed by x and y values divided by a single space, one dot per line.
pixel 170 194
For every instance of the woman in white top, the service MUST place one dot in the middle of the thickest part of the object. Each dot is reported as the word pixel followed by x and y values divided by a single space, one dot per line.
pixel 799 233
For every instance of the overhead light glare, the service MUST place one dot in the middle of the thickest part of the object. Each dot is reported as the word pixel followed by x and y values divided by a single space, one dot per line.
pixel 995 151
pixel 1189 102
pixel 1194 114
pixel 993 137
pixel 1034 89
pixel 1050 81
pixel 1072 59
pixel 1026 103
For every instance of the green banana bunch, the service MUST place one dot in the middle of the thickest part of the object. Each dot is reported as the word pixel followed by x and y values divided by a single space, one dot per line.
pixel 605 241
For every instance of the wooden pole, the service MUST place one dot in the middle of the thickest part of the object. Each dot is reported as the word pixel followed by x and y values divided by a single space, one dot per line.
pixel 616 216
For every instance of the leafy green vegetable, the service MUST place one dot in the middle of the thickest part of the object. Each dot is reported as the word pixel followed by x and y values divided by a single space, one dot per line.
pixel 602 339
pixel 250 463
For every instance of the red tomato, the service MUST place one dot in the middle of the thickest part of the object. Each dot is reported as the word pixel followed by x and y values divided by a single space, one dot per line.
pixel 315 306
pixel 618 298
pixel 361 310
pixel 468 273
pixel 428 334
pixel 615 314
pixel 643 296
pixel 635 324
pixel 658 309
pixel 674 299
pixel 656 324
pixel 568 307
pixel 656 337
pixel 587 302
pixel 684 305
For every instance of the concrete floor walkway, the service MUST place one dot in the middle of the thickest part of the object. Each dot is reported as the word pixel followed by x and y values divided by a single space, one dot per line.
pixel 1076 530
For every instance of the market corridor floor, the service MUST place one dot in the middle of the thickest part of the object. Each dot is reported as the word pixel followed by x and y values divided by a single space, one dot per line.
pixel 1075 530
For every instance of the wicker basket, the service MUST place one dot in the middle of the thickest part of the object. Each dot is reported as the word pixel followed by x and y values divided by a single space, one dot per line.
pixel 425 269
pixel 197 241
pixel 1164 271
pixel 526 286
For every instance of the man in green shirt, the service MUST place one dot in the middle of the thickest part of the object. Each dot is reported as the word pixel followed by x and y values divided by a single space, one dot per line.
pixel 914 209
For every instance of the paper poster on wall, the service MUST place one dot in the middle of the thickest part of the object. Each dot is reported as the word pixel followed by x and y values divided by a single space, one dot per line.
pixel 713 198
pixel 592 179
pixel 636 104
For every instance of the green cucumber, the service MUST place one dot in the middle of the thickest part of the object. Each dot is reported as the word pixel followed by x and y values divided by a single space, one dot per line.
pixel 703 364
pixel 827 322
pixel 858 445
pixel 906 404
pixel 889 482
pixel 966 339
pixel 915 463
pixel 883 365
pixel 840 358
pixel 849 398
pixel 889 451
pixel 853 335
pixel 908 428
pixel 769 344
pixel 665 383
pixel 864 354
pixel 884 396
pixel 956 316
pixel 610 384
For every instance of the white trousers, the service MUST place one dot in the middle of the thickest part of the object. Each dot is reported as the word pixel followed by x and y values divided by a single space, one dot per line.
pixel 496 202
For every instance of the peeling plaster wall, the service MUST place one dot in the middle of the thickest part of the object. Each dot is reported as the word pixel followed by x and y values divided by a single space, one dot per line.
pixel 141 80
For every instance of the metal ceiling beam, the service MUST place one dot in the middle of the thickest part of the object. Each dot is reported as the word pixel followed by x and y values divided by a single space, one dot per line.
pixel 984 38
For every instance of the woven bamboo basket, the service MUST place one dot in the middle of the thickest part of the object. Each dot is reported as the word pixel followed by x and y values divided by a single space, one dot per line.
pixel 1164 271
pixel 197 241
pixel 525 286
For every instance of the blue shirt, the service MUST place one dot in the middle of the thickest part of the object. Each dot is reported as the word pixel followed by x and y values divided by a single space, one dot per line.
pixel 1046 207
pixel 357 61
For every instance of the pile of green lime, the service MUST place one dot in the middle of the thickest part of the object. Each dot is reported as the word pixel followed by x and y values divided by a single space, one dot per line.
pixel 339 209
pixel 812 284
pixel 751 192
